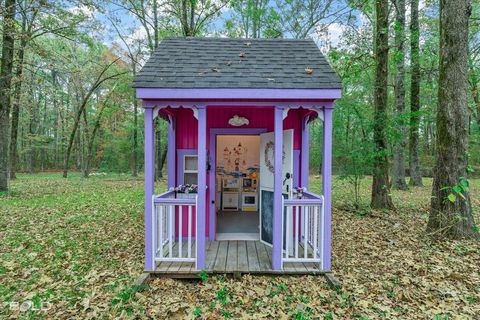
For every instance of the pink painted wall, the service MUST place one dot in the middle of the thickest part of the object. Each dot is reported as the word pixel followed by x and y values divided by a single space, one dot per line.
pixel 217 117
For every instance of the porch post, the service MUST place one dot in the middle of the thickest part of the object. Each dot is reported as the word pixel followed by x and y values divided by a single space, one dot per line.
pixel 171 154
pixel 277 189
pixel 149 189
pixel 202 186
pixel 305 153
pixel 327 186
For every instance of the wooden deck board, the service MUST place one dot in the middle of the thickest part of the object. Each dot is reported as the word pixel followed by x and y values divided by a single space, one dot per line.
pixel 221 260
pixel 252 257
pixel 211 255
pixel 233 257
pixel 264 260
pixel 242 256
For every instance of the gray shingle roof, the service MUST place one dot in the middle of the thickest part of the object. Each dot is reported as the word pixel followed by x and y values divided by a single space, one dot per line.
pixel 237 63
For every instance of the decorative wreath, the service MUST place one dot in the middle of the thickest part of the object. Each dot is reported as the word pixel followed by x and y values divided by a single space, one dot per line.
pixel 268 163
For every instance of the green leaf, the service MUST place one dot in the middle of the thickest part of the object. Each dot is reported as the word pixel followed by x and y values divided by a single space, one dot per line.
pixel 451 197
pixel 457 189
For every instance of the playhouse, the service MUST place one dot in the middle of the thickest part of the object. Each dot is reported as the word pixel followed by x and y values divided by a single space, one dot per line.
pixel 238 156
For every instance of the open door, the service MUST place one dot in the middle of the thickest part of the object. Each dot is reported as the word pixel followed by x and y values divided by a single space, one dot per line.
pixel 267 174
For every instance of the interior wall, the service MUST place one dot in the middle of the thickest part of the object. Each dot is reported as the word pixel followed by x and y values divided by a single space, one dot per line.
pixel 226 152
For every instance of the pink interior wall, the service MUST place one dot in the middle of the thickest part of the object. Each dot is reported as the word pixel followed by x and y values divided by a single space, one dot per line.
pixel 217 117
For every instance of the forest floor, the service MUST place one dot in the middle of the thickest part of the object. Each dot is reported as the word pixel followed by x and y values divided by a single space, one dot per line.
pixel 74 248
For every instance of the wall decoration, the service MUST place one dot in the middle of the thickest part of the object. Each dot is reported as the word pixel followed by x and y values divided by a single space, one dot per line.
pixel 269 154
pixel 238 154
pixel 238 121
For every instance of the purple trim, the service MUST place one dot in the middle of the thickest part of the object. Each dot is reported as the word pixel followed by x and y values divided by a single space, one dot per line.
pixel 180 154
pixel 165 195
pixel 239 103
pixel 178 202
pixel 202 186
pixel 300 202
pixel 296 168
pixel 311 195
pixel 213 154
pixel 278 197
pixel 327 186
pixel 149 189
pixel 229 94
pixel 305 153
pixel 171 154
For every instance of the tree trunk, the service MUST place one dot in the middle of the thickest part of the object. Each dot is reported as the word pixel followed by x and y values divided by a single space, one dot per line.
pixel 451 210
pixel 78 148
pixel 16 101
pixel 398 179
pixel 163 160
pixel 475 93
pixel 86 134
pixel 32 130
pixel 381 198
pixel 88 161
pixel 415 174
pixel 6 67
pixel 135 127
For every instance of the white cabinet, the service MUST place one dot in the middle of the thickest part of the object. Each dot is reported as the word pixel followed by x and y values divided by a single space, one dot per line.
pixel 230 201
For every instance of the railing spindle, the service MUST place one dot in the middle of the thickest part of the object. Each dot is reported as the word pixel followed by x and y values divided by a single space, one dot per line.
pixel 189 250
pixel 287 236
pixel 305 240
pixel 180 234
pixel 160 213
pixel 297 230
pixel 170 230
pixel 315 232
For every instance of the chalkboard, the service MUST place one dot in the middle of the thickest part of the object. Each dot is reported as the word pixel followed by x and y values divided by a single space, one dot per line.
pixel 266 211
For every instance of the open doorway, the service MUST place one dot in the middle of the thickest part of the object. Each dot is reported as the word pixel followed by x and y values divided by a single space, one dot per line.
pixel 237 187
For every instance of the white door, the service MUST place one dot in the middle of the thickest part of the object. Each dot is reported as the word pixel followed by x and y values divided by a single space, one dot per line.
pixel 267 179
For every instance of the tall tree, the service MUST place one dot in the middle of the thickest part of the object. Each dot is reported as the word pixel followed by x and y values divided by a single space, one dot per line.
pixel 381 185
pixel 82 104
pixel 300 17
pixel 398 172
pixel 252 16
pixel 8 42
pixel 26 30
pixel 193 15
pixel 451 210
pixel 415 174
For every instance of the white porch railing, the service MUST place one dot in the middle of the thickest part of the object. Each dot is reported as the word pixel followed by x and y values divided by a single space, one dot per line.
pixel 303 222
pixel 174 224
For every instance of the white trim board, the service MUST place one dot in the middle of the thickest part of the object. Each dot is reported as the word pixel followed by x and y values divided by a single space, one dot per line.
pixel 238 236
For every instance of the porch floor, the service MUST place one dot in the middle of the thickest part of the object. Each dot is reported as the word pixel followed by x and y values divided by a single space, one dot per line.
pixel 236 256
